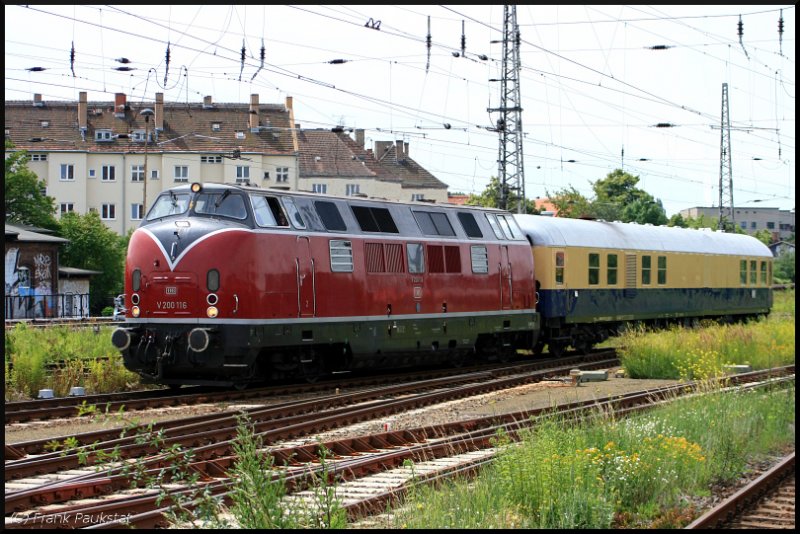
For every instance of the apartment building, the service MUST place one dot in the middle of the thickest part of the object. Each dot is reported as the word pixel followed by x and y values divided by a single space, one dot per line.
pixel 105 156
pixel 779 222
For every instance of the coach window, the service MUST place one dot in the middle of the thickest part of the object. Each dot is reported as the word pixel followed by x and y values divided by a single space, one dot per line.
pixel 330 216
pixel 469 224
pixel 743 272
pixel 495 226
pixel 560 268
pixel 662 270
pixel 594 269
pixel 416 258
pixel 764 272
pixel 753 272
pixel 294 214
pixel 646 270
pixel 611 273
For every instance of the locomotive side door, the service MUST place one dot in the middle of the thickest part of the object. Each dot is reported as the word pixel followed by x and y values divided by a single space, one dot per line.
pixel 306 283
pixel 506 289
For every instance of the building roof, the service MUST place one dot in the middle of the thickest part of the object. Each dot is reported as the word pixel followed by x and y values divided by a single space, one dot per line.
pixel 334 154
pixel 74 272
pixel 186 127
pixel 28 234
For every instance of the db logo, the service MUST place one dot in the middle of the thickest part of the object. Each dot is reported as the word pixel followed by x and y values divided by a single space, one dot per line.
pixel 171 290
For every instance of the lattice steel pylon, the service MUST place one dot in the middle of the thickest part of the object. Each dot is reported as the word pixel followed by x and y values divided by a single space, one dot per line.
pixel 726 217
pixel 509 124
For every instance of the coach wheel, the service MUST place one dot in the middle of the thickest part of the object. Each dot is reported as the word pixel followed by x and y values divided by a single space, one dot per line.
pixel 556 349
pixel 174 387
pixel 538 348
pixel 240 386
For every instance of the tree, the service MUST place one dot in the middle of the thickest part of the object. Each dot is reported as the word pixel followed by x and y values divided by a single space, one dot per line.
pixel 491 198
pixel 570 203
pixel 92 245
pixel 784 267
pixel 618 198
pixel 25 201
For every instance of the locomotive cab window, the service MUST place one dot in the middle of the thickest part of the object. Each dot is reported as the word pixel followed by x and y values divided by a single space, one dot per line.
pixel 294 214
pixel 510 227
pixel 224 204
pixel 495 226
pixel 167 204
pixel 594 269
pixel 268 212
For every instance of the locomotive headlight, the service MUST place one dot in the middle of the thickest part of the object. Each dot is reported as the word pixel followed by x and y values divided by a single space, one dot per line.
pixel 135 311
pixel 212 312
pixel 196 187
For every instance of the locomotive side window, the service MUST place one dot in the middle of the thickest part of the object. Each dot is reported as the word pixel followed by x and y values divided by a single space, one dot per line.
pixel 416 258
pixel 560 268
pixel 611 271
pixel 223 204
pixel 169 204
pixel 495 226
pixel 594 269
pixel 480 259
pixel 662 270
pixel 469 224
pixel 433 223
pixel 341 256
pixel 510 226
pixel 294 214
pixel 268 211
pixel 330 216
pixel 646 270
pixel 374 219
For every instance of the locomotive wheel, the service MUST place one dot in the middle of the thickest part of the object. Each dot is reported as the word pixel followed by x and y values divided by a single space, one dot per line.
pixel 557 349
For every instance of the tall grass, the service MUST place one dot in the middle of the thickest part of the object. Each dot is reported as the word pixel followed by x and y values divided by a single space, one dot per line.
pixel 86 357
pixel 609 472
pixel 703 352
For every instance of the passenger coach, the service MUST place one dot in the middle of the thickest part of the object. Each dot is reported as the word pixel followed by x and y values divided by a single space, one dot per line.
pixel 228 285
pixel 594 276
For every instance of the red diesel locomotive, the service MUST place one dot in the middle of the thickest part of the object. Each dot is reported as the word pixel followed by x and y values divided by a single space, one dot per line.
pixel 228 285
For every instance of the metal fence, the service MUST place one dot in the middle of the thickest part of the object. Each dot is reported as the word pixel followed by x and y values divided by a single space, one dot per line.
pixel 47 306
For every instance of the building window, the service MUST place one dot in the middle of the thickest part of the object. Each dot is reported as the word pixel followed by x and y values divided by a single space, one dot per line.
pixel 92 173
pixel 210 159
pixel 24 277
pixel 67 172
pixel 154 174
pixel 103 136
pixel 38 157
pixel 282 174
pixel 108 212
pixel 67 207
pixel 770 226
pixel 352 189
pixel 137 173
pixel 108 173
pixel 242 174
pixel 136 212
pixel 611 273
pixel 594 269
pixel 417 196
pixel 743 225
pixel 45 124
pixel 181 173
pixel 139 136
pixel 319 188
pixel 753 225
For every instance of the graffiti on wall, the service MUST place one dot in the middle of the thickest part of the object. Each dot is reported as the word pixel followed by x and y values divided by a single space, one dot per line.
pixel 28 296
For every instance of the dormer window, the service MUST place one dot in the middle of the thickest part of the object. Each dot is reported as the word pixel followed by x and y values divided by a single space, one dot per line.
pixel 45 124
pixel 239 134
pixel 138 136
pixel 104 136
pixel 216 126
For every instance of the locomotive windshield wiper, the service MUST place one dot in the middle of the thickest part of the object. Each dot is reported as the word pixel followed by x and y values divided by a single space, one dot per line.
pixel 221 198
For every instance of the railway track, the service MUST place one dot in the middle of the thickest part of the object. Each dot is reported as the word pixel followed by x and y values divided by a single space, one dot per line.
pixel 466 444
pixel 766 502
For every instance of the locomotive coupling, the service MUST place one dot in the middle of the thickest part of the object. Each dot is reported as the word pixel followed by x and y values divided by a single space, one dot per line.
pixel 199 339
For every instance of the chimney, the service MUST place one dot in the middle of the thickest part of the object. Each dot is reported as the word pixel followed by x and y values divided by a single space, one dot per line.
pixel 405 148
pixel 381 149
pixel 254 113
pixel 83 111
pixel 37 100
pixel 289 102
pixel 119 105
pixel 159 118
pixel 400 152
pixel 360 137
pixel 207 103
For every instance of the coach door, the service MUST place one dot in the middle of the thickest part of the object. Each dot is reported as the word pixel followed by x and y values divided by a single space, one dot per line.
pixel 306 290
pixel 506 288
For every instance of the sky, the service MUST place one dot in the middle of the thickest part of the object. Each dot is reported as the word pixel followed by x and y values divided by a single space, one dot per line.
pixel 602 87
